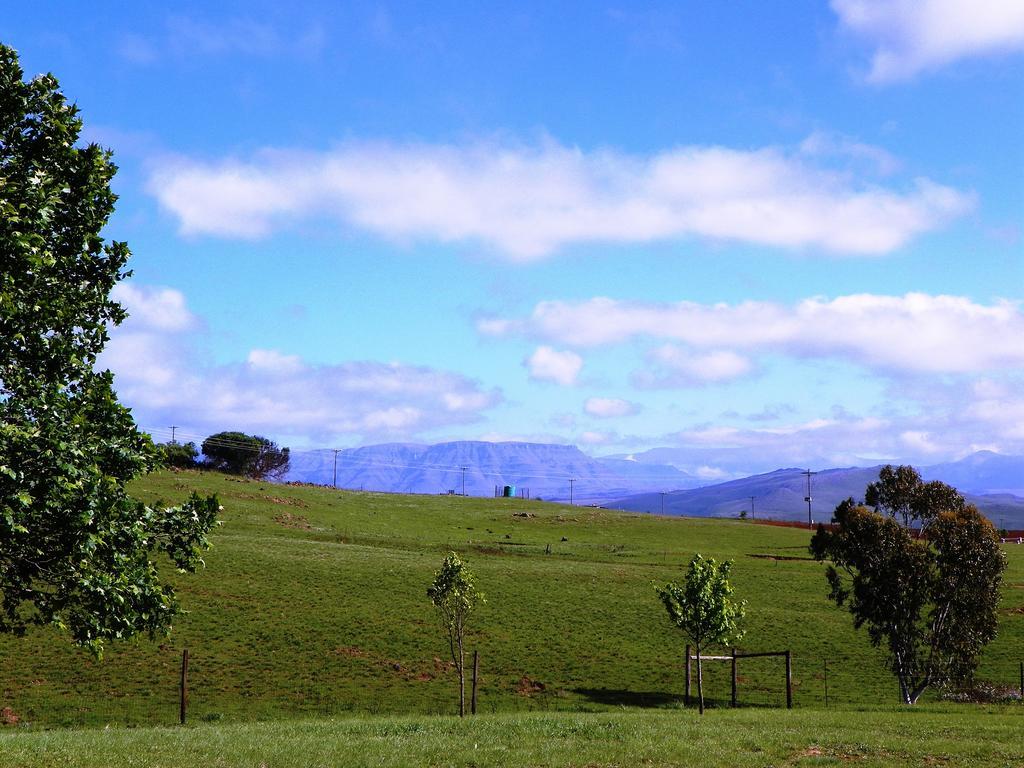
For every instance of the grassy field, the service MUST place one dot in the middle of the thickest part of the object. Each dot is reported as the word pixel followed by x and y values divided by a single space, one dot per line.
pixel 313 603
pixel 722 739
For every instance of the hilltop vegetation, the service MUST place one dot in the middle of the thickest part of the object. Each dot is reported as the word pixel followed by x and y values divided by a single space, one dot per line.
pixel 314 601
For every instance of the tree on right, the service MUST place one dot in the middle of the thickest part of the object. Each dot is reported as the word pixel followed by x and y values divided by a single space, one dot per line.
pixel 929 595
pixel 237 453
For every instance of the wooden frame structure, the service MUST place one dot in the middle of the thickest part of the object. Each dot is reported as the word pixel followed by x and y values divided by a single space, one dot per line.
pixel 734 658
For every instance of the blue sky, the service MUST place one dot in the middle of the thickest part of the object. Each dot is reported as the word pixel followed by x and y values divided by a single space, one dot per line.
pixel 761 234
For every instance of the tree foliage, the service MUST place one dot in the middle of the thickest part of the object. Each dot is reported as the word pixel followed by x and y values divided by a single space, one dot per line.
pixel 75 548
pixel 931 600
pixel 703 607
pixel 454 594
pixel 178 455
pixel 240 454
pixel 900 492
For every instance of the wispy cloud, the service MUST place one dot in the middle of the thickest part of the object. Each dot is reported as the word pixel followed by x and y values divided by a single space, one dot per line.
pixel 547 364
pixel 609 407
pixel 912 333
pixel 528 202
pixel 676 366
pixel 191 37
pixel 160 373
pixel 951 419
pixel 914 36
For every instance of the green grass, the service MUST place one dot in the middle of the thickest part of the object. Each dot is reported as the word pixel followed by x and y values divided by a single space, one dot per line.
pixel 721 739
pixel 313 602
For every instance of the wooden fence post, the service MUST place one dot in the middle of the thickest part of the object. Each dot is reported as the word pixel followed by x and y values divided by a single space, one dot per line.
pixel 734 677
pixel 476 675
pixel 184 686
pixel 686 696
pixel 789 680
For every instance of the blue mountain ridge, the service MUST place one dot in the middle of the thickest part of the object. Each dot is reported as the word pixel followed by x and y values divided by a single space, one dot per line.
pixel 542 470
pixel 994 482
pixel 780 495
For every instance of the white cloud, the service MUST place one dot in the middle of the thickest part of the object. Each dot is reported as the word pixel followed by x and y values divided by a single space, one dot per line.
pixel 528 202
pixel 930 419
pixel 272 361
pixel 609 407
pixel 679 366
pixel 1000 408
pixel 160 374
pixel 154 308
pixel 915 332
pixel 823 144
pixel 594 438
pixel 547 364
pixel 920 442
pixel 914 36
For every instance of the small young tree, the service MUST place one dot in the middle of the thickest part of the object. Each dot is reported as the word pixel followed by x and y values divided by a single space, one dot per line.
pixel 455 596
pixel 704 608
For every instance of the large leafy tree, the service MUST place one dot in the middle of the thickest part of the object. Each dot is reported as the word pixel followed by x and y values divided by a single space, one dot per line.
pixel 900 492
pixel 76 550
pixel 931 600
pixel 704 608
pixel 240 454
pixel 455 595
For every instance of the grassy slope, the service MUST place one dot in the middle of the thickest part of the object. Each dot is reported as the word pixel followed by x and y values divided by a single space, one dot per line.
pixel 721 739
pixel 314 602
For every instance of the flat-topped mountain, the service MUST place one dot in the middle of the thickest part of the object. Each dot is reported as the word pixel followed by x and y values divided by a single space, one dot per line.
pixel 540 469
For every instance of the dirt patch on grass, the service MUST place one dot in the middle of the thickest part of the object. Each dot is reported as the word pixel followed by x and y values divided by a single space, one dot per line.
pixel 422 672
pixel 528 687
pixel 272 499
pixel 288 520
pixel 350 650
pixel 8 717
pixel 763 556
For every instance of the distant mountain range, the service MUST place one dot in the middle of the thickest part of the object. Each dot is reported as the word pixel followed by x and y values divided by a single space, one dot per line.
pixel 994 482
pixel 541 470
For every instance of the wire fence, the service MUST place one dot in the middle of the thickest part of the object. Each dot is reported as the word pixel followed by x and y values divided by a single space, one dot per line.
pixel 169 692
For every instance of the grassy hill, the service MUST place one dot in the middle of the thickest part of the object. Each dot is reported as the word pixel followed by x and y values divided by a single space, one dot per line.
pixel 314 602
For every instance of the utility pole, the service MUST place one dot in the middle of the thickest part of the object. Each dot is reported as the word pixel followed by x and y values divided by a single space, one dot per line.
pixel 463 481
pixel 173 430
pixel 807 498
pixel 752 507
pixel 662 502
pixel 335 466
pixel 571 481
